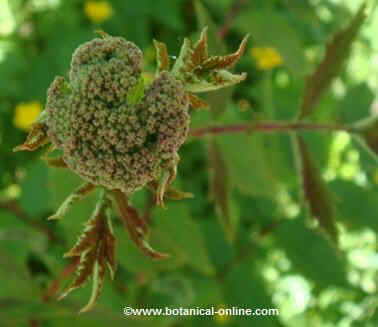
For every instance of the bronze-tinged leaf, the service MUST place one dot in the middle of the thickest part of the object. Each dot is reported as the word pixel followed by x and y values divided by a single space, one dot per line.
pixel 36 138
pixel 87 239
pixel 83 273
pixel 96 252
pixel 135 225
pixel 225 62
pixel 336 54
pixel 98 278
pixel 200 51
pixel 54 286
pixel 220 188
pixel 315 190
pixel 196 102
pixel 162 56
pixel 55 162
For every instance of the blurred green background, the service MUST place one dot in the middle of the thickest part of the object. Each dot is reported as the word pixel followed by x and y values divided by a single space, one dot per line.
pixel 245 240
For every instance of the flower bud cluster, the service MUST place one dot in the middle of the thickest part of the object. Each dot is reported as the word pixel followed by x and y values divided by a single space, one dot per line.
pixel 105 139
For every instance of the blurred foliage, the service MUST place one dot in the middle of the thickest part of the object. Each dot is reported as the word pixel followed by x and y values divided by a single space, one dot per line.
pixel 247 239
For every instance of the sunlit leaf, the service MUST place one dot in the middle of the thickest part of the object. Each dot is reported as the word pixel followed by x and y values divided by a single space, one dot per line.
pixel 311 254
pixel 337 53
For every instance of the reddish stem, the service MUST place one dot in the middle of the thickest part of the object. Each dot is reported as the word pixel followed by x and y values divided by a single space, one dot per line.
pixel 268 127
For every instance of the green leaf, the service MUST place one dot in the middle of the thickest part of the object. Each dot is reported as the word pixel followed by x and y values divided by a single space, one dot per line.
pixel 315 191
pixel 249 167
pixel 244 287
pixel 356 104
pixel 182 237
pixel 220 189
pixel 337 53
pixel 350 196
pixel 271 29
pixel 311 254
pixel 35 196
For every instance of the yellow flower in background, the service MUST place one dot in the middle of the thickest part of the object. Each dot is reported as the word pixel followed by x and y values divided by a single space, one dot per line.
pixel 26 114
pixel 98 11
pixel 266 58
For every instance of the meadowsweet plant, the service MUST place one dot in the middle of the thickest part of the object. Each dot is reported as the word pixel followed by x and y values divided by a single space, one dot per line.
pixel 119 135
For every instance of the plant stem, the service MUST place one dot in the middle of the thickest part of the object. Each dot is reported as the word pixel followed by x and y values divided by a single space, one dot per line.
pixel 269 127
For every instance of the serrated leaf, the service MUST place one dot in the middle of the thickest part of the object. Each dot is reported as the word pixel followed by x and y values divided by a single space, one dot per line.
pixel 81 192
pixel 220 189
pixel 135 225
pixel 95 248
pixel 196 102
pixel 202 74
pixel 315 191
pixel 162 56
pixel 337 53
pixel 61 183
pixel 200 50
pixel 225 62
pixel 37 137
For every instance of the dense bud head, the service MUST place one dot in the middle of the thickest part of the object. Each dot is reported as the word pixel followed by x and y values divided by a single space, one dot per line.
pixel 105 139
